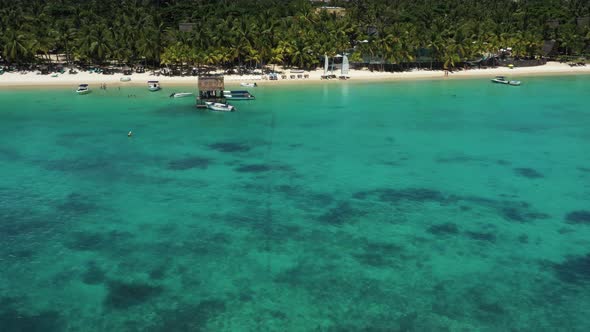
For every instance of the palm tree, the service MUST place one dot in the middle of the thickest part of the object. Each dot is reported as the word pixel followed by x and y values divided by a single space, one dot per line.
pixel 253 56
pixel 101 46
pixel 64 37
pixel 451 54
pixel 16 46
pixel 127 30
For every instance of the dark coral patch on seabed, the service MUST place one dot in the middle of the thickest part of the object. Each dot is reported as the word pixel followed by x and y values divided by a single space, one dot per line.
pixel 257 168
pixel 229 147
pixel 444 229
pixel 260 168
pixel 122 295
pixel 509 210
pixel 189 163
pixel 96 241
pixel 409 194
pixel 189 317
pixel 77 204
pixel 340 214
pixel 46 321
pixel 93 274
pixel 528 173
pixel 379 254
pixel 481 236
pixel 578 217
pixel 521 213
pixel 78 165
pixel 574 269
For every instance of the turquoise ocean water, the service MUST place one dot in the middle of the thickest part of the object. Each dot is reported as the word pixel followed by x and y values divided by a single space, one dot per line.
pixel 403 206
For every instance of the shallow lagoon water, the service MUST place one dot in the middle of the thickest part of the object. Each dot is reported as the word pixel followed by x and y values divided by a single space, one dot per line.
pixel 403 206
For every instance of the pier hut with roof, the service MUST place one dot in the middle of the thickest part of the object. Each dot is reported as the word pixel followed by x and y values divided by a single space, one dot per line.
pixel 210 89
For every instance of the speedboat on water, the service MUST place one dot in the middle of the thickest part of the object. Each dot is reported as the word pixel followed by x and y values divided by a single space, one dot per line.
pixel 219 107
pixel 504 80
pixel 238 95
pixel 153 85
pixel 500 79
pixel 181 94
pixel 83 89
pixel 250 85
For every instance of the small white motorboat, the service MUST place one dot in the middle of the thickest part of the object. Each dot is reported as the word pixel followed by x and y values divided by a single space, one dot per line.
pixel 154 85
pixel 83 89
pixel 250 85
pixel 238 95
pixel 504 80
pixel 125 79
pixel 181 94
pixel 219 107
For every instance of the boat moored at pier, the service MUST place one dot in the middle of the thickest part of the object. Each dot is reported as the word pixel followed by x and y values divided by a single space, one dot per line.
pixel 220 107
pixel 238 95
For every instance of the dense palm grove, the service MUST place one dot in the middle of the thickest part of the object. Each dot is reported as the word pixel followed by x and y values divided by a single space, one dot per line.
pixel 293 33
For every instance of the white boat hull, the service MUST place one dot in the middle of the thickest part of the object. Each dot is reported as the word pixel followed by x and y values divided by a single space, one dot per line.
pixel 504 81
pixel 230 97
pixel 153 86
pixel 238 95
pixel 82 92
pixel 218 107
pixel 181 95
pixel 250 85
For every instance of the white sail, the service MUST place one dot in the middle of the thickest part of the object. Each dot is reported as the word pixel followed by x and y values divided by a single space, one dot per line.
pixel 345 66
pixel 325 64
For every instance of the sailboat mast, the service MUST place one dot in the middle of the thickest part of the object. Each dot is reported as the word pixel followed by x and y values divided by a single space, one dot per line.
pixel 345 66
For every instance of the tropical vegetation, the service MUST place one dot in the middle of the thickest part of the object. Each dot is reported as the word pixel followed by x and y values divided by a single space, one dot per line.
pixel 252 33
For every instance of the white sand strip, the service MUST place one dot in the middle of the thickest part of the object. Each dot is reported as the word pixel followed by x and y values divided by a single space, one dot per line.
pixel 29 79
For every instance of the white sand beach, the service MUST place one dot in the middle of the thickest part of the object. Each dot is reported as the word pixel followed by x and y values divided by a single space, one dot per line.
pixel 20 79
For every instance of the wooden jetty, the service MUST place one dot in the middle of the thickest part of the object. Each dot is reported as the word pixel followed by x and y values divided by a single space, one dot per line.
pixel 210 88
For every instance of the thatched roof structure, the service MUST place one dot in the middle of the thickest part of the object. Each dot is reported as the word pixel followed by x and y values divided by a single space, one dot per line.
pixel 211 83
